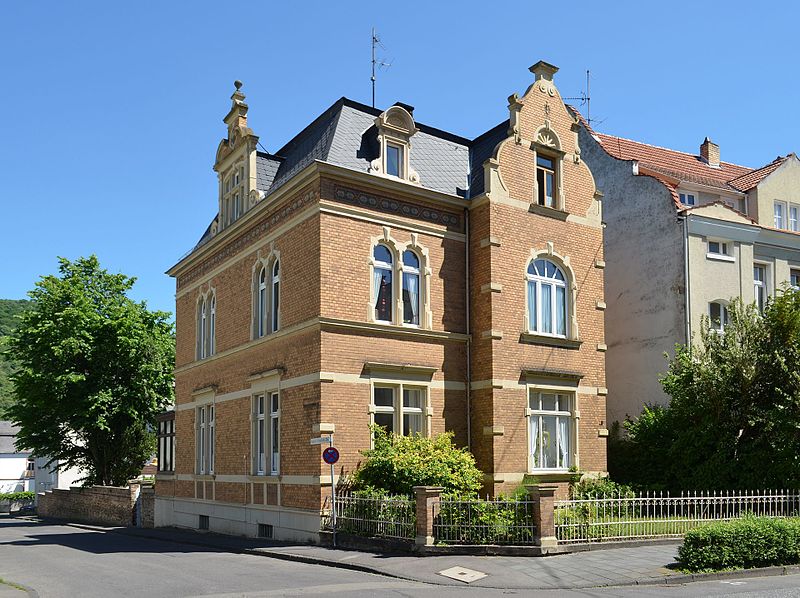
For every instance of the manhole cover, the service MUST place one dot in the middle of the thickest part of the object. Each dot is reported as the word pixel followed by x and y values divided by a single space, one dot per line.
pixel 463 574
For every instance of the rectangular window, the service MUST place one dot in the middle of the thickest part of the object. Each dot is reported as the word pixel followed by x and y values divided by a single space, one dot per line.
pixel 394 160
pixel 780 209
pixel 718 314
pixel 545 181
pixel 793 211
pixel 211 438
pixel 794 279
pixel 274 433
pixel 720 250
pixel 760 286
pixel 201 440
pixel 404 416
pixel 688 199
pixel 552 430
pixel 266 434
pixel 166 443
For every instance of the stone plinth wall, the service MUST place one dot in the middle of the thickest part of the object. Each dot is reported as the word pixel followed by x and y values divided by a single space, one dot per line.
pixel 102 505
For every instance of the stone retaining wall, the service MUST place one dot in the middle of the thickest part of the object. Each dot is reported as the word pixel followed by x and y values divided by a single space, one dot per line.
pixel 102 505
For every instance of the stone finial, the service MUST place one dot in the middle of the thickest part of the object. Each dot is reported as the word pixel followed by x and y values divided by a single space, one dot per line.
pixel 543 70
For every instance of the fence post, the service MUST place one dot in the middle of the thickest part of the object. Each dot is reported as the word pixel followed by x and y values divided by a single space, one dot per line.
pixel 543 498
pixel 426 497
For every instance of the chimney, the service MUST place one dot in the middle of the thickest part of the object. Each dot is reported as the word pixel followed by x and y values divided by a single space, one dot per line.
pixel 543 70
pixel 709 151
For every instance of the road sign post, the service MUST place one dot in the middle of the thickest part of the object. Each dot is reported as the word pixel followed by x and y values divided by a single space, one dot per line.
pixel 330 455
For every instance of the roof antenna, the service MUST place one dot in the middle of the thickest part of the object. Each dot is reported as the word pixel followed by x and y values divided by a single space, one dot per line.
pixel 586 99
pixel 376 41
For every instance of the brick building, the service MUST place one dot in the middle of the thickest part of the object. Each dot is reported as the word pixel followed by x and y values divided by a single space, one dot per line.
pixel 376 269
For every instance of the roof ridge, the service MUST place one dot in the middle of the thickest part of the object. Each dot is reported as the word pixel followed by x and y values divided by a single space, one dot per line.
pixel 668 149
pixel 767 165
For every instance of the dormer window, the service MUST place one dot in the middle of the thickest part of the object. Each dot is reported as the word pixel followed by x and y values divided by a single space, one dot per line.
pixel 687 199
pixel 395 129
pixel 546 181
pixel 394 160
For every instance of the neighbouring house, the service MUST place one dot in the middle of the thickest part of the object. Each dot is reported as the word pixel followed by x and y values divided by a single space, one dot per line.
pixel 16 467
pixel 379 270
pixel 685 233
pixel 56 475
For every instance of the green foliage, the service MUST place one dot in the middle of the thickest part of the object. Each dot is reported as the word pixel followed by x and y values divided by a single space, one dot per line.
pixel 398 463
pixel 741 544
pixel 505 520
pixel 9 312
pixel 17 496
pixel 378 514
pixel 95 368
pixel 733 420
pixel 600 488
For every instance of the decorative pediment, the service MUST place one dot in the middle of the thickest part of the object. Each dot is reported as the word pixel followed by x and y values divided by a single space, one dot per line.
pixel 548 137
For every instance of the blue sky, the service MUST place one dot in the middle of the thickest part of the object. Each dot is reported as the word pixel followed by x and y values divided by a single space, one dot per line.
pixel 112 111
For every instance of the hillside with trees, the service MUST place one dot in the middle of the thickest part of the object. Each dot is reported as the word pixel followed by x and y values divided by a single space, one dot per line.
pixel 9 309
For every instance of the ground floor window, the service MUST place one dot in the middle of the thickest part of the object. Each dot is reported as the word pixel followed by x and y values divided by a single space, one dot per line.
pixel 206 432
pixel 400 409
pixel 266 433
pixel 552 430
pixel 166 441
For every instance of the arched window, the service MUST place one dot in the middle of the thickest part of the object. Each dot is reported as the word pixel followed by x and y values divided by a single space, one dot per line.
pixel 212 326
pixel 202 331
pixel 410 288
pixel 261 303
pixel 276 292
pixel 547 298
pixel 382 283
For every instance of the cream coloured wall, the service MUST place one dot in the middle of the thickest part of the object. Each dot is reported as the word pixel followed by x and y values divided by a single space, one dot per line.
pixel 783 185
pixel 717 280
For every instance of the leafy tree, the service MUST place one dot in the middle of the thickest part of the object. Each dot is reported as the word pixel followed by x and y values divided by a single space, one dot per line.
pixel 95 368
pixel 9 312
pixel 733 420
pixel 398 463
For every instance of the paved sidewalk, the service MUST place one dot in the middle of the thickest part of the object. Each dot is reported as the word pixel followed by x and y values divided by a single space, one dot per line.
pixel 607 567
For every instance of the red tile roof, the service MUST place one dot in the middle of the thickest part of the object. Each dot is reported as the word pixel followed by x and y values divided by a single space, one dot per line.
pixel 754 177
pixel 682 166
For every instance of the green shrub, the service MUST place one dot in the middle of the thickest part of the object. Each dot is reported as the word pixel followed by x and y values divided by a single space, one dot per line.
pixel 470 520
pixel 17 496
pixel 398 463
pixel 740 544
pixel 600 488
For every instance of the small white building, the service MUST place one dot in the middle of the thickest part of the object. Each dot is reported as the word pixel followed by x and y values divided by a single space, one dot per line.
pixel 16 467
pixel 48 478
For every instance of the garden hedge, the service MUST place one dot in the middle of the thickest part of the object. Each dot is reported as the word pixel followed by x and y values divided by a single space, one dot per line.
pixel 741 544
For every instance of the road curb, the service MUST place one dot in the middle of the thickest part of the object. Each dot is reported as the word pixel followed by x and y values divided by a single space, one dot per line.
pixel 677 579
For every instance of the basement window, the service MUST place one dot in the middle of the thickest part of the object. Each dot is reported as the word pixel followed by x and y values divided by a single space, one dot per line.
pixel 264 530
pixel 203 522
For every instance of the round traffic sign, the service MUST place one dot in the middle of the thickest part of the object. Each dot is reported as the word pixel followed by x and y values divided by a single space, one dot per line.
pixel 330 455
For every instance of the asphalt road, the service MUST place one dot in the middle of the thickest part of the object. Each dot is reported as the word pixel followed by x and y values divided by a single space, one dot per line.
pixel 64 561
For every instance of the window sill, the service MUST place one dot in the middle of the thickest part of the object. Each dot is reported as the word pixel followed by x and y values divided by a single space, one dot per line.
pixel 551 475
pixel 720 257
pixel 535 208
pixel 529 338
pixel 165 475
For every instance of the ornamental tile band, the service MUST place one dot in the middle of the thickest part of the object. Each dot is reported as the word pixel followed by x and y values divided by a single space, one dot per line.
pixel 358 198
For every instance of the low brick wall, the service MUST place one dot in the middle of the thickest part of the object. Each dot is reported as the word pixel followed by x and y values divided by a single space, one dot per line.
pixel 102 505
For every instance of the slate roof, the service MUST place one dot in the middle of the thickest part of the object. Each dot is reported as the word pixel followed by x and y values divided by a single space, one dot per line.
pixel 345 135
pixel 8 433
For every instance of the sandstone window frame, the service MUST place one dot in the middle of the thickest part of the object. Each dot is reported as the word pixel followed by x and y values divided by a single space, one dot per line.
pixel 535 414
pixel 266 398
pixel 395 128
pixel 266 289
pixel 205 438
pixel 563 263
pixel 399 270
pixel 206 324
pixel 548 145
pixel 233 191
pixel 401 378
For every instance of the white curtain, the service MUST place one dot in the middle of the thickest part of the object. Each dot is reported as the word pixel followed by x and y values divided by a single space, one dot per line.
pixel 532 305
pixel 563 442
pixel 413 295
pixel 535 440
pixel 561 310
pixel 376 284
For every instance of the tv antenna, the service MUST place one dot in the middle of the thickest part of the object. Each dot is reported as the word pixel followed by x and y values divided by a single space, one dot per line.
pixel 586 99
pixel 376 62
